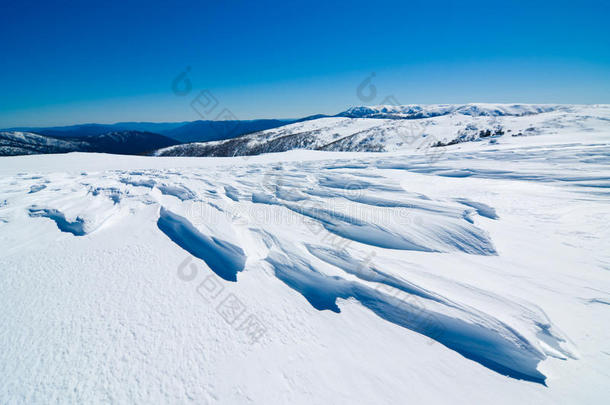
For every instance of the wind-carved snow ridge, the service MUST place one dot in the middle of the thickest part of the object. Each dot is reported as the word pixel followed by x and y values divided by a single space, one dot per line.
pixel 483 210
pixel 474 335
pixel 466 330
pixel 224 258
pixel 76 227
pixel 113 193
pixel 177 191
pixel 439 229
pixel 36 188
pixel 138 182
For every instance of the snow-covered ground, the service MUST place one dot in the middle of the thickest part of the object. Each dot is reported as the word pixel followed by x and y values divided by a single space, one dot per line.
pixel 477 273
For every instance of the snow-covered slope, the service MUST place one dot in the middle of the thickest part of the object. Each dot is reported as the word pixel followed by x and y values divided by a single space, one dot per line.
pixel 479 275
pixel 26 143
pixel 390 128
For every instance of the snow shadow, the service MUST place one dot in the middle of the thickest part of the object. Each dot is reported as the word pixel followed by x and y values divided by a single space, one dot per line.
pixel 76 227
pixel 224 258
pixel 480 338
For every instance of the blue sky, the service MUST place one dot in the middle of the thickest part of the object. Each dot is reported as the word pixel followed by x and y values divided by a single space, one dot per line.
pixel 66 62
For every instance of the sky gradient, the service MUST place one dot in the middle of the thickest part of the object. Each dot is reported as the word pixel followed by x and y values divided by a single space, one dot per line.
pixel 66 62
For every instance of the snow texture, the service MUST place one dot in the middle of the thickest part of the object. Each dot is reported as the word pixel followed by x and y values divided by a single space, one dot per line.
pixel 479 275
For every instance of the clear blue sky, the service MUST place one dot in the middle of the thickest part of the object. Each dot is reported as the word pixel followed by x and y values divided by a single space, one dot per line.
pixel 65 62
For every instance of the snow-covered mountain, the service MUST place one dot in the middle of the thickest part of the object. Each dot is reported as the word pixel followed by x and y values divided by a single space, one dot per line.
pixel 119 142
pixel 390 128
pixel 436 110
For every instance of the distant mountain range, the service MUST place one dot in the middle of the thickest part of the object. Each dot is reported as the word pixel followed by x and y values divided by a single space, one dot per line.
pixel 218 130
pixel 117 142
pixel 128 137
pixel 195 131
